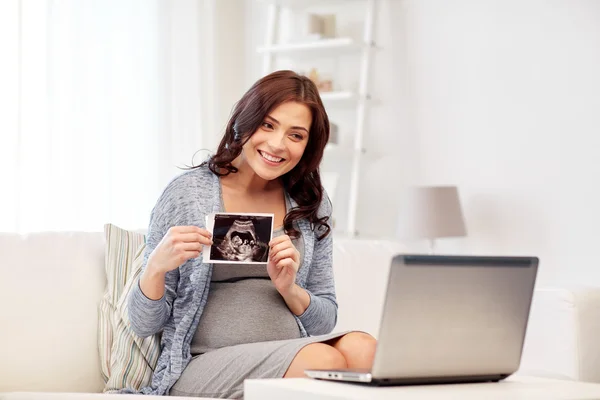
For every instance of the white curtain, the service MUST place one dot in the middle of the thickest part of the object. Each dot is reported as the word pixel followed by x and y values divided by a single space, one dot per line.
pixel 99 103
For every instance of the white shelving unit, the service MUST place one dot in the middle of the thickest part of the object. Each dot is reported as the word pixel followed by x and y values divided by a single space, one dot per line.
pixel 358 99
pixel 339 96
pixel 336 44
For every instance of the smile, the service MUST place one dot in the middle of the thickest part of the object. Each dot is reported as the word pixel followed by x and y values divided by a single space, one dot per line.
pixel 270 158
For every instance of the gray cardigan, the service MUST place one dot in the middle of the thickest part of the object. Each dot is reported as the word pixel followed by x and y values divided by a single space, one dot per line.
pixel 185 201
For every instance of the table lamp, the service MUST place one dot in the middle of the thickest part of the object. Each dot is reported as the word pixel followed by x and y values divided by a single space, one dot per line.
pixel 430 212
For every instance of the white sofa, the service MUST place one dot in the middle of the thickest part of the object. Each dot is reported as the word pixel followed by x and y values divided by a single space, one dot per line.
pixel 51 284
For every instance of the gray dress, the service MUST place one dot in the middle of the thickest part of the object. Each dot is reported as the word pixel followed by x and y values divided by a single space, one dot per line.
pixel 246 332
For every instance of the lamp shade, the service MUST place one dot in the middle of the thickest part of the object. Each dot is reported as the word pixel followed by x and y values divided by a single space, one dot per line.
pixel 429 213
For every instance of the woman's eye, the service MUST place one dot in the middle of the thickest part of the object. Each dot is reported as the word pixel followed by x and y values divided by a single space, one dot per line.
pixel 267 125
pixel 297 136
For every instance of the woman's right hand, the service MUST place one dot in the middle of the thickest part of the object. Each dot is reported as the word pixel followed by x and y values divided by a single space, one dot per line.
pixel 180 244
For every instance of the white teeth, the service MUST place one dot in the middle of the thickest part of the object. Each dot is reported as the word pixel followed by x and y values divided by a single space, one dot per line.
pixel 268 157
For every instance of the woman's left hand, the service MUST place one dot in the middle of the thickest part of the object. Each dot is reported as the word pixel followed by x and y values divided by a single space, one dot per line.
pixel 283 264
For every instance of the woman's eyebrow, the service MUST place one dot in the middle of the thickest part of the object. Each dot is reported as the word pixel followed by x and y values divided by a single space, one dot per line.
pixel 293 127
pixel 274 120
pixel 300 127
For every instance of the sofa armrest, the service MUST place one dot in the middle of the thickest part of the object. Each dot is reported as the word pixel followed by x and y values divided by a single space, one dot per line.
pixel 563 338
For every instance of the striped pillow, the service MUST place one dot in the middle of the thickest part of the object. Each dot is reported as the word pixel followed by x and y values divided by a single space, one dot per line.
pixel 127 361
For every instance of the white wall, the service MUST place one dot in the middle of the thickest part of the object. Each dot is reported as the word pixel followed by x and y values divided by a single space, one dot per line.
pixel 229 51
pixel 507 105
pixel 501 98
pixel 222 67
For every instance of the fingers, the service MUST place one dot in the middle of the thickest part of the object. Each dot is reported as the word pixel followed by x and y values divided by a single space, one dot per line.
pixel 287 263
pixel 191 254
pixel 281 245
pixel 286 253
pixel 283 249
pixel 190 234
pixel 190 229
pixel 194 238
pixel 191 246
pixel 204 232
pixel 279 239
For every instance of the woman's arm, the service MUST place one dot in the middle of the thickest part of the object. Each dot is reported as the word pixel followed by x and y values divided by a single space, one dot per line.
pixel 152 282
pixel 320 315
pixel 151 300
pixel 149 315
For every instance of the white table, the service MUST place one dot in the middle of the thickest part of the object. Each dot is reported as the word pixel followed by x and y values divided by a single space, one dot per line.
pixel 516 387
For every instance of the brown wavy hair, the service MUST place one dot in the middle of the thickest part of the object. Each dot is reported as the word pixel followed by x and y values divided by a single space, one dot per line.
pixel 303 182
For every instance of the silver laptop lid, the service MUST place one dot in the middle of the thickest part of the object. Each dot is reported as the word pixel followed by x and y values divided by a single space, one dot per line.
pixel 454 316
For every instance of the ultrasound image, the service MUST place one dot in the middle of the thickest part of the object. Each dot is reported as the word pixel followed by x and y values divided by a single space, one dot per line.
pixel 241 238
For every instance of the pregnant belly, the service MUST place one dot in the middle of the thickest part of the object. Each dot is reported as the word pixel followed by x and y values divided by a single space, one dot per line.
pixel 246 311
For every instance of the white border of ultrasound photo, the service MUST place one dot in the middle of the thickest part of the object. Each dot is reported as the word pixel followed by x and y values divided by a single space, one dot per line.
pixel 263 235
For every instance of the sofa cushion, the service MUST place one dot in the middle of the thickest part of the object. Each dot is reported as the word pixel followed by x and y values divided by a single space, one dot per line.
pixel 126 359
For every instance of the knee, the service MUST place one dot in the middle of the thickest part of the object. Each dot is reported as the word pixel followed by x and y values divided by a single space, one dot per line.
pixel 358 342
pixel 322 356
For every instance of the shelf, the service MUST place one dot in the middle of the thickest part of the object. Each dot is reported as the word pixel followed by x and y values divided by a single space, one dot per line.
pixel 302 4
pixel 340 44
pixel 337 150
pixel 338 96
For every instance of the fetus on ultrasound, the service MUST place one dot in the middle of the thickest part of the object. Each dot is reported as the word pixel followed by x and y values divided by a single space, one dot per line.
pixel 242 244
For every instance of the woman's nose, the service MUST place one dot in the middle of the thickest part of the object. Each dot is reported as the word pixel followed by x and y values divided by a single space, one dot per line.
pixel 276 140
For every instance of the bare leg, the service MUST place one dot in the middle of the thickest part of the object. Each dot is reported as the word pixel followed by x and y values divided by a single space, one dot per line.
pixel 358 349
pixel 315 356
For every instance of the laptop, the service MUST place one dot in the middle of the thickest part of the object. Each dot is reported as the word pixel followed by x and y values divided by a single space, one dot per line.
pixel 449 319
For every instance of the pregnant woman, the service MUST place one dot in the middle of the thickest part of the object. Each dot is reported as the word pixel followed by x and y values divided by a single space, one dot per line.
pixel 224 323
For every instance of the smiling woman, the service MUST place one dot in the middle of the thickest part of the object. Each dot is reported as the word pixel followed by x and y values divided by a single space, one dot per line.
pixel 250 320
pixel 280 129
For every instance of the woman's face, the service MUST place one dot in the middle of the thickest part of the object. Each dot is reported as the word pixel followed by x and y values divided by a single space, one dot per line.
pixel 278 144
